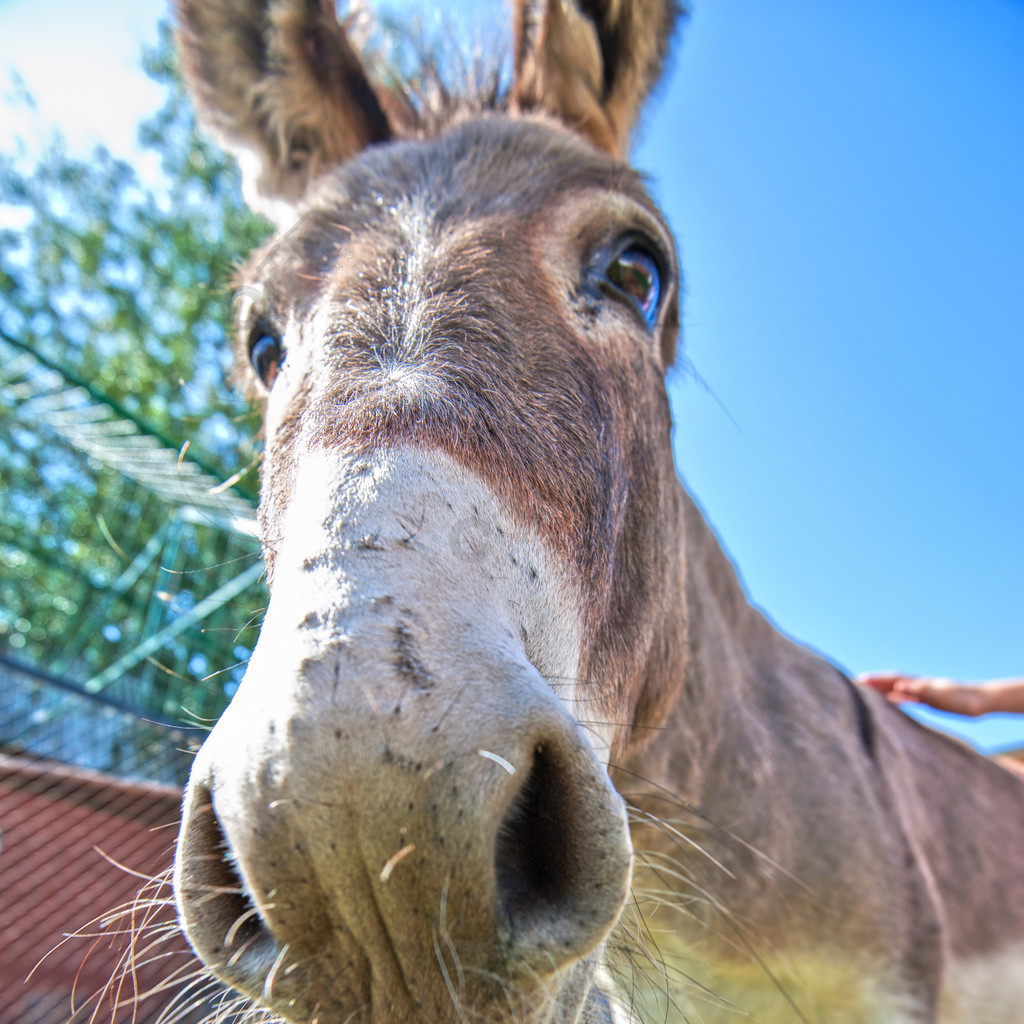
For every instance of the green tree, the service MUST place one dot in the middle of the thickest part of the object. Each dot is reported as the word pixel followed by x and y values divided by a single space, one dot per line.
pixel 116 291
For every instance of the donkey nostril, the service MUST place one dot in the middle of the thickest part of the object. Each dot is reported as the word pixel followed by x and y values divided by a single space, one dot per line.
pixel 562 861
pixel 221 921
pixel 533 868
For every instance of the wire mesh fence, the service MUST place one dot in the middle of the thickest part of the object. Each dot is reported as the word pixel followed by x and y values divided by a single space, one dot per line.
pixel 130 596
pixel 77 844
pixel 122 565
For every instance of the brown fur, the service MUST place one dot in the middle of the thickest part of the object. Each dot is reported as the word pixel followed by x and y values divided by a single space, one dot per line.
pixel 288 85
pixel 591 65
pixel 559 429
pixel 443 298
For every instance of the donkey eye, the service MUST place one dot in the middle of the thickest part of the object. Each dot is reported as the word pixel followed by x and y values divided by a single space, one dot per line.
pixel 635 274
pixel 266 353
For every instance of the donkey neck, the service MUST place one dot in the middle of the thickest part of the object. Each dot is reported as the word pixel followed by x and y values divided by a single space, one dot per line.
pixel 747 691
pixel 734 649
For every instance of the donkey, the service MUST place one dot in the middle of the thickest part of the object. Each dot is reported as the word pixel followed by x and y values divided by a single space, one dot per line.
pixel 513 745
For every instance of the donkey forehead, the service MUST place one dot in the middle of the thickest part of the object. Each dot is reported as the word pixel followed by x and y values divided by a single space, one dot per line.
pixel 407 335
pixel 497 174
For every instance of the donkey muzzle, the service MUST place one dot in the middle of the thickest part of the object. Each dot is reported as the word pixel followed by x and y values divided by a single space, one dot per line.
pixel 359 835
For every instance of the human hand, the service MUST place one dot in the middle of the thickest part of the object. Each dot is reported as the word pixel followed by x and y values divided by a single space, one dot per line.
pixel 941 694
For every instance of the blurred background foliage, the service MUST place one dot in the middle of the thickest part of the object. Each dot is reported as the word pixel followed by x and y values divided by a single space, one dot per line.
pixel 115 308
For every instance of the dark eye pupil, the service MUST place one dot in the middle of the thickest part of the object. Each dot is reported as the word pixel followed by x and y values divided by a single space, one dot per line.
pixel 635 273
pixel 266 356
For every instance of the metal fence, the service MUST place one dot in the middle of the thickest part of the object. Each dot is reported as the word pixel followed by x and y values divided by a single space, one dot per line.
pixel 77 845
pixel 128 608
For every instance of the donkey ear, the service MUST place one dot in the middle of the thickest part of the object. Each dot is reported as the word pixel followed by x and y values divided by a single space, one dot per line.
pixel 280 85
pixel 591 62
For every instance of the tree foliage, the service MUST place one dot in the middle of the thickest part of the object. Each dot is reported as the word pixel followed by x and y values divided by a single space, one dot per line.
pixel 121 280
pixel 128 281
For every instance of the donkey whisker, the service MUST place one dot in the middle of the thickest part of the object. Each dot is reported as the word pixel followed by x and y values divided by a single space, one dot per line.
pixel 453 991
pixel 232 933
pixel 268 985
pixel 241 951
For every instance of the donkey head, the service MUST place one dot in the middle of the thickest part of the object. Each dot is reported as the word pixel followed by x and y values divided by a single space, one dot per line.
pixel 469 518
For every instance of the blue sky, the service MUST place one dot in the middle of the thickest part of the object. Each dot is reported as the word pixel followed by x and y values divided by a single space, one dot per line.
pixel 845 183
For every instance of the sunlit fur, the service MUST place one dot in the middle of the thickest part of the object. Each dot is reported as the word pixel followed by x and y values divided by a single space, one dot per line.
pixel 490 595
